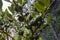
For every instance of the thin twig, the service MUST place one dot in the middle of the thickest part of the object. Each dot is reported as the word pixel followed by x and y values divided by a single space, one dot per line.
pixel 14 2
pixel 48 8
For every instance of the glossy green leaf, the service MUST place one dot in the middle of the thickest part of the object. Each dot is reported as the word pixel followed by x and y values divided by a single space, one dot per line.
pixel 41 5
pixel 45 2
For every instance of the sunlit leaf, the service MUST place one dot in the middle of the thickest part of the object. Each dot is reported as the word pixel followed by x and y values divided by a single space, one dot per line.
pixel 40 38
pixel 41 5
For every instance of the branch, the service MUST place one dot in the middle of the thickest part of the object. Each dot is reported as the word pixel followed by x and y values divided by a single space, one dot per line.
pixel 6 34
pixel 46 13
pixel 48 8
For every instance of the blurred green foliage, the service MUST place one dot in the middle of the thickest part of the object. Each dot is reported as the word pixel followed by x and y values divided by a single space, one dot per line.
pixel 31 25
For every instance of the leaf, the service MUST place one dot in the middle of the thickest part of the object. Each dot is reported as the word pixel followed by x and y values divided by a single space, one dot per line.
pixel 41 5
pixel 42 26
pixel 0 5
pixel 9 15
pixel 7 0
pixel 33 28
pixel 45 2
pixel 48 20
pixel 19 1
pixel 16 37
pixel 11 8
pixel 40 38
pixel 15 22
pixel 6 14
pixel 34 14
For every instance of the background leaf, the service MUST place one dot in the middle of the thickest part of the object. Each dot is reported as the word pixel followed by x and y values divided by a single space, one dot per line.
pixel 0 5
